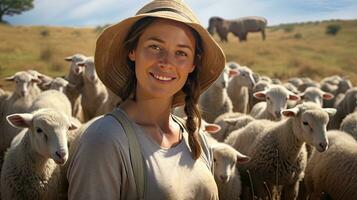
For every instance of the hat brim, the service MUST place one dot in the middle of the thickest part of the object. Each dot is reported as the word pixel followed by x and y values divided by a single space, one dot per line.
pixel 110 44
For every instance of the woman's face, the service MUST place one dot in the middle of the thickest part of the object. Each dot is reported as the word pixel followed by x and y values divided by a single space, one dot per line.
pixel 163 58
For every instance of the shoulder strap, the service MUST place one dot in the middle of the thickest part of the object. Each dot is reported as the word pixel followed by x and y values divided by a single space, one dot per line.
pixel 206 153
pixel 136 158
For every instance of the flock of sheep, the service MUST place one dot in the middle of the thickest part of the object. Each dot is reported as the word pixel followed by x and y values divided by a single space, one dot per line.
pixel 292 140
pixel 270 140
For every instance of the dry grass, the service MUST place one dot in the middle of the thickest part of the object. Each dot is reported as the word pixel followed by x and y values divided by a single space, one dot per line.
pixel 313 53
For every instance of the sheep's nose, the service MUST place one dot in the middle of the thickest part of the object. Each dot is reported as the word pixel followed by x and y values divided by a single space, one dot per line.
pixel 278 114
pixel 323 146
pixel 224 177
pixel 61 154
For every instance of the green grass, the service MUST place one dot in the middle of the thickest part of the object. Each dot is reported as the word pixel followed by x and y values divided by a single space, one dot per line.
pixel 282 55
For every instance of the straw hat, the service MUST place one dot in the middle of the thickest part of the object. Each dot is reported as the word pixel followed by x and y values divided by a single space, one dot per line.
pixel 110 43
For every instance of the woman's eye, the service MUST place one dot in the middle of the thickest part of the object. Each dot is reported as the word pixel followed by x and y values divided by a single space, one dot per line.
pixel 39 130
pixel 305 123
pixel 155 47
pixel 181 53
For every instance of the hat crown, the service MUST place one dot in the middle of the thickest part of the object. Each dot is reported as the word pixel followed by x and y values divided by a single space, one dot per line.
pixel 175 6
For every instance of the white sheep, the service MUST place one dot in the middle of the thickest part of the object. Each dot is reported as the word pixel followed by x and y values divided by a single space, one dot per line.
pixel 238 88
pixel 295 81
pixel 276 98
pixel 334 171
pixel 349 124
pixel 44 79
pixel 30 169
pixel 277 149
pixel 75 77
pixel 19 101
pixel 94 92
pixel 215 101
pixel 59 84
pixel 316 95
pixel 346 106
pixel 226 159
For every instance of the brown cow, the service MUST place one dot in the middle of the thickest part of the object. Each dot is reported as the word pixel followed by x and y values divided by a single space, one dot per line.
pixel 239 27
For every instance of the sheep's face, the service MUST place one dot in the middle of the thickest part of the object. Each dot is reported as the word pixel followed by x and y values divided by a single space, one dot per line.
pixel 49 136
pixel 24 81
pixel 313 124
pixel 90 72
pixel 313 94
pixel 74 60
pixel 59 84
pixel 246 78
pixel 225 161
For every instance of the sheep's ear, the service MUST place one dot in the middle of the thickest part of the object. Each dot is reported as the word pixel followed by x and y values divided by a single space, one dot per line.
pixel 20 120
pixel 69 58
pixel 10 78
pixel 35 80
pixel 260 95
pixel 233 72
pixel 212 128
pixel 294 97
pixel 74 125
pixel 241 158
pixel 290 112
pixel 327 96
pixel 330 111
pixel 230 121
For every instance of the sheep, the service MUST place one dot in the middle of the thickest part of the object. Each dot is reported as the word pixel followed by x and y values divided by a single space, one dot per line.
pixel 277 149
pixel 59 84
pixel 340 86
pixel 44 80
pixel 238 88
pixel 74 77
pixel 261 85
pixel 215 100
pixel 295 81
pixel 346 106
pixel 305 85
pixel 333 172
pixel 276 98
pixel 30 169
pixel 230 122
pixel 315 94
pixel 226 173
pixel 94 92
pixel 349 124
pixel 19 101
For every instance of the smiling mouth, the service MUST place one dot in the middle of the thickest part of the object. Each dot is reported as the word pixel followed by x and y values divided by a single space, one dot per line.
pixel 162 78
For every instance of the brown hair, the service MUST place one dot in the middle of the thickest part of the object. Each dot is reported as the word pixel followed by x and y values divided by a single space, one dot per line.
pixel 191 87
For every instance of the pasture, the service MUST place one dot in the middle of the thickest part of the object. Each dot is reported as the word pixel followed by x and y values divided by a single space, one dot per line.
pixel 302 49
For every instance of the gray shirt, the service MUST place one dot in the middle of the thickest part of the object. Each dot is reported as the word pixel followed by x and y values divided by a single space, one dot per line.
pixel 100 167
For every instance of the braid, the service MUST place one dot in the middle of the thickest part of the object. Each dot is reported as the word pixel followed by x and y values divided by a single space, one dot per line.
pixel 191 90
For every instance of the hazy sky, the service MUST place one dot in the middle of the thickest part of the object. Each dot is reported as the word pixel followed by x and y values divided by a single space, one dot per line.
pixel 100 12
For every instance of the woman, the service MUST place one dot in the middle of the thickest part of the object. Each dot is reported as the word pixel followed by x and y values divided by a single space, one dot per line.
pixel 159 59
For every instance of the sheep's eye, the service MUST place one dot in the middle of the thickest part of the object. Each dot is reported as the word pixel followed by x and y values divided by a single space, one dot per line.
pixel 39 130
pixel 305 123
pixel 268 98
pixel 243 74
pixel 214 160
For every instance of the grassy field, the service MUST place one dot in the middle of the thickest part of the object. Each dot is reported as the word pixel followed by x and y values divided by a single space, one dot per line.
pixel 290 50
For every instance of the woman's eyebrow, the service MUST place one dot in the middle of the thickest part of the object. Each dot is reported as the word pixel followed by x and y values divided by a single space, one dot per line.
pixel 162 41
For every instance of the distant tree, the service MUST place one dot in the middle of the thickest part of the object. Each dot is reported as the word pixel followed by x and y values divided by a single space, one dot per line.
pixel 14 7
pixel 333 29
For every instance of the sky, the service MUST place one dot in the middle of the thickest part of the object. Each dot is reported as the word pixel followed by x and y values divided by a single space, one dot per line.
pixel 91 13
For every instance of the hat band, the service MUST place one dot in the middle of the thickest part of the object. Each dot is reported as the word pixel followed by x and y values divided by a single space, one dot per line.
pixel 170 10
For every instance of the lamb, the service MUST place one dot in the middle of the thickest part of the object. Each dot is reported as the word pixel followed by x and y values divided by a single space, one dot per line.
pixel 215 100
pixel 315 94
pixel 277 149
pixel 30 169
pixel 94 93
pixel 276 98
pixel 226 172
pixel 333 172
pixel 349 124
pixel 73 93
pixel 59 84
pixel 19 101
pixel 238 89
pixel 346 106
pixel 44 79
pixel 295 81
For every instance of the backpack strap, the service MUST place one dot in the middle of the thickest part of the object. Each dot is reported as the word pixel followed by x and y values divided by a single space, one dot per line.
pixel 136 157
pixel 206 154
